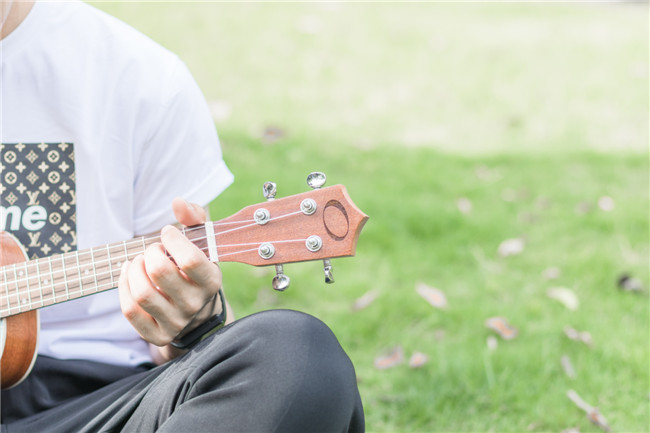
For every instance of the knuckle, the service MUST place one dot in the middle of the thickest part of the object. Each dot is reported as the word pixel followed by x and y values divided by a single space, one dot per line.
pixel 160 340
pixel 130 312
pixel 192 262
pixel 142 297
pixel 194 305
pixel 158 270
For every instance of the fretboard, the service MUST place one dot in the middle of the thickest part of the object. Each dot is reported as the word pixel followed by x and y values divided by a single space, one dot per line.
pixel 59 278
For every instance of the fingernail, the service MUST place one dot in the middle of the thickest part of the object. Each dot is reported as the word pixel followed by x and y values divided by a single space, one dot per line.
pixel 166 229
pixel 190 206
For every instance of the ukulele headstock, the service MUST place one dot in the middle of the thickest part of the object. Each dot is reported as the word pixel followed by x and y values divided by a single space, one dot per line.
pixel 316 225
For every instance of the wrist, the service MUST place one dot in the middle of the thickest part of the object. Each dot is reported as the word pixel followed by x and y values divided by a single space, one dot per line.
pixel 213 323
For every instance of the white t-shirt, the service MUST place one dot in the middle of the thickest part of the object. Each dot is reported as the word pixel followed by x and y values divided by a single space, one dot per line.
pixel 100 129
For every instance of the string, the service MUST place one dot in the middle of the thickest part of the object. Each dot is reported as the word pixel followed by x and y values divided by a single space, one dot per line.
pixel 143 240
pixel 94 264
pixel 50 290
pixel 51 286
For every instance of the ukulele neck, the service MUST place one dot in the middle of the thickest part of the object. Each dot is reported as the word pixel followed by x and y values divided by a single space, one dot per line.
pixel 59 278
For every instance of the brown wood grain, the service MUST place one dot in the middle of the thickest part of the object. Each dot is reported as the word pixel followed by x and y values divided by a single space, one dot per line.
pixel 19 350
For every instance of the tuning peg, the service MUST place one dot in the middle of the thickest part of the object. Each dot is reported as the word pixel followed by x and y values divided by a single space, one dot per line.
pixel 280 281
pixel 316 179
pixel 327 268
pixel 269 190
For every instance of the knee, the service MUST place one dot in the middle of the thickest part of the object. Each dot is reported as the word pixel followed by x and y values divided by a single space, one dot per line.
pixel 288 334
pixel 312 378
pixel 290 361
pixel 293 344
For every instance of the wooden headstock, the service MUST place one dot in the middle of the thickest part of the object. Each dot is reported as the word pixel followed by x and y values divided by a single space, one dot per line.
pixel 315 225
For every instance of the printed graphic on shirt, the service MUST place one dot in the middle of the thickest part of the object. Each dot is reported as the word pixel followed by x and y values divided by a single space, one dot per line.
pixel 38 196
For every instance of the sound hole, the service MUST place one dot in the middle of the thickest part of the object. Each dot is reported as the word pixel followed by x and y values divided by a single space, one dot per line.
pixel 335 220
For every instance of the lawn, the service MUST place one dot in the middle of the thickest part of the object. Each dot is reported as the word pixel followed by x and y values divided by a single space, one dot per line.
pixel 454 127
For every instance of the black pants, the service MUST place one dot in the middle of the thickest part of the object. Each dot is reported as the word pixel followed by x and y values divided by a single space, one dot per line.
pixel 276 371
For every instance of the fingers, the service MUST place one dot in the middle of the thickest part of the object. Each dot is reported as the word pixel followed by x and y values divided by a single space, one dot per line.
pixel 190 259
pixel 160 296
pixel 138 301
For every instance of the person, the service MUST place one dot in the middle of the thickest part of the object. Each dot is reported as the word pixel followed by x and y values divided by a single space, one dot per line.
pixel 102 131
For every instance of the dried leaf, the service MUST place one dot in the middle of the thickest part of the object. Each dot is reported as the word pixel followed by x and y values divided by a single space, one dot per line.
pixel 365 300
pixel 551 273
pixel 567 366
pixel 511 247
pixel 391 359
pixel 501 326
pixel 628 283
pixel 492 343
pixel 598 419
pixel 564 295
pixel 433 296
pixel 606 203
pixel 593 414
pixel 271 134
pixel 464 205
pixel 575 335
pixel 418 359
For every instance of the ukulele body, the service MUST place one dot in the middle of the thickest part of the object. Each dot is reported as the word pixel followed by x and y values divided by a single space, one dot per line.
pixel 19 333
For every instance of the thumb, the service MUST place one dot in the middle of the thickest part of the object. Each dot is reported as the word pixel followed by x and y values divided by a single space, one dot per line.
pixel 186 213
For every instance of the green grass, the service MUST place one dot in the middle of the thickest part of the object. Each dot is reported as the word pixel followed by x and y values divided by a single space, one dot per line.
pixel 416 233
pixel 532 111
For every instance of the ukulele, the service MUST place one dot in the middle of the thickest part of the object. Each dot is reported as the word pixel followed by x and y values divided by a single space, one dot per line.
pixel 315 225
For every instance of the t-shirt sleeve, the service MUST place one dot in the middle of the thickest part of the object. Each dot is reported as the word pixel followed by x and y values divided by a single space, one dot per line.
pixel 181 156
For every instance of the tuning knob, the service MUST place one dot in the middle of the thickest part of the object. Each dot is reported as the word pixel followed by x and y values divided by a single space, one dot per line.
pixel 327 268
pixel 269 190
pixel 316 179
pixel 280 281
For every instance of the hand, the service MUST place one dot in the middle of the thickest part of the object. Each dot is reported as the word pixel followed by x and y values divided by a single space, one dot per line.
pixel 164 298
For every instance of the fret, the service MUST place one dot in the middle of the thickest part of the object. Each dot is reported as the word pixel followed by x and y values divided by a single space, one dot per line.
pixel 110 265
pixel 40 281
pixel 29 291
pixel 49 263
pixel 4 271
pixel 81 286
pixel 17 289
pixel 65 278
pixel 126 252
pixel 92 260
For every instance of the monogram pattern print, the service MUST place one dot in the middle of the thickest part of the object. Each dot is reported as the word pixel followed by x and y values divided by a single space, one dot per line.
pixel 38 196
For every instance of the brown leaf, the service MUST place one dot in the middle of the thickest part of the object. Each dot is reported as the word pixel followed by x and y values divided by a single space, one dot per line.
pixel 567 366
pixel 433 296
pixel 575 335
pixel 365 300
pixel 393 358
pixel 418 359
pixel 593 414
pixel 501 326
pixel 271 134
